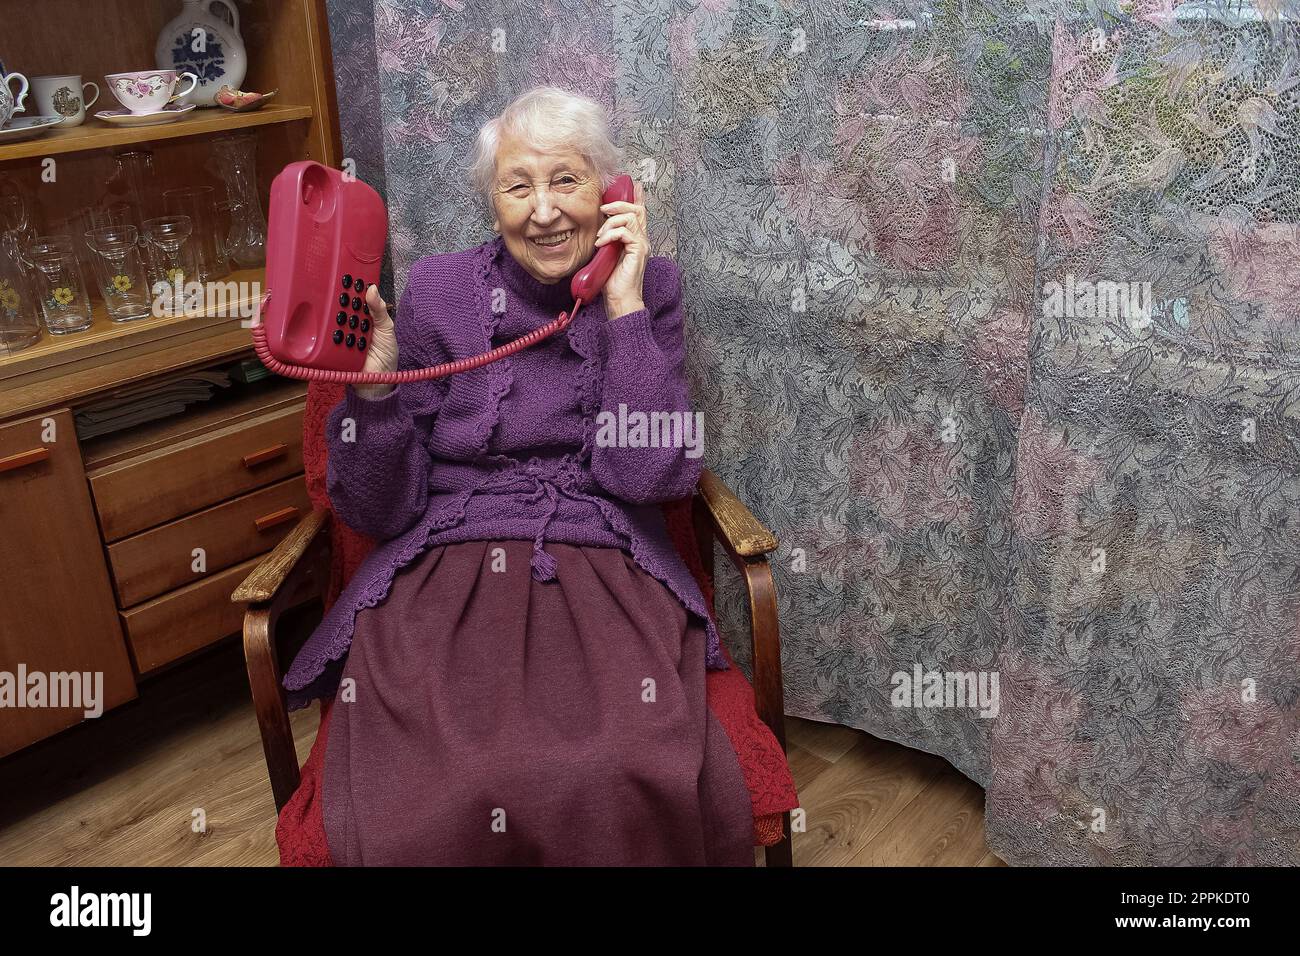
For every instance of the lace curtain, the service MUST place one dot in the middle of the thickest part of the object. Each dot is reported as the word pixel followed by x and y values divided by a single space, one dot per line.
pixel 993 318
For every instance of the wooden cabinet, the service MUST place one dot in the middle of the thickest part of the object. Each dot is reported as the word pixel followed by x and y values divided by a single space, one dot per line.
pixel 58 613
pixel 101 539
pixel 124 550
pixel 186 506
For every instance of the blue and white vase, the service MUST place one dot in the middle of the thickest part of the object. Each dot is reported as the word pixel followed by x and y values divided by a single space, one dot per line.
pixel 207 46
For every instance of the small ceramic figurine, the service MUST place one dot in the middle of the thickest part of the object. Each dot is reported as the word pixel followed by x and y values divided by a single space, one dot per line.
pixel 241 101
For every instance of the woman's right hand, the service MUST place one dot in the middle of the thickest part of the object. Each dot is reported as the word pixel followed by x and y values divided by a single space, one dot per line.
pixel 381 352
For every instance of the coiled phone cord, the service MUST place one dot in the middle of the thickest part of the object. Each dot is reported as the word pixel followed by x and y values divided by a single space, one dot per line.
pixel 273 364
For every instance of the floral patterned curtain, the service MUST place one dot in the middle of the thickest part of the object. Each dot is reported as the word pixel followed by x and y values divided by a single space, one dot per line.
pixel 993 318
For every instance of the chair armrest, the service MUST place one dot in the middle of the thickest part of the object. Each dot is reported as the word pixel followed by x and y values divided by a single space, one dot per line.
pixel 717 512
pixel 274 570
pixel 735 525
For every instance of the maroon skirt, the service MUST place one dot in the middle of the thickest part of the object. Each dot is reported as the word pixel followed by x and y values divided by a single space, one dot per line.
pixel 487 718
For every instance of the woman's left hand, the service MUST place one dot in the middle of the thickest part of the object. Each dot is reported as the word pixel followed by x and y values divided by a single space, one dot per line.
pixel 626 223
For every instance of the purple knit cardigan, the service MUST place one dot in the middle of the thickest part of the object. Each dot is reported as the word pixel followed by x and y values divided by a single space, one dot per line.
pixel 412 469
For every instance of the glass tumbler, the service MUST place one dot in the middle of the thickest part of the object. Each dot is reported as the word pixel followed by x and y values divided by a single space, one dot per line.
pixel 199 203
pixel 171 260
pixel 59 284
pixel 120 273
pixel 79 225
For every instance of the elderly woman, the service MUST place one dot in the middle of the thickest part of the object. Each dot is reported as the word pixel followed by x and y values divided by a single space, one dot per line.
pixel 518 668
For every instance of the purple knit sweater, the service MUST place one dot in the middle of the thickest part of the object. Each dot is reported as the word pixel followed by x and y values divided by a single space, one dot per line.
pixel 436 462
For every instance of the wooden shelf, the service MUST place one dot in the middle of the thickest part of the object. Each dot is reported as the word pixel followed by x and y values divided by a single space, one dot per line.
pixel 72 388
pixel 107 341
pixel 96 134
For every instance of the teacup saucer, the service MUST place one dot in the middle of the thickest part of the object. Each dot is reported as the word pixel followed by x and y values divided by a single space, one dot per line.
pixel 27 127
pixel 123 117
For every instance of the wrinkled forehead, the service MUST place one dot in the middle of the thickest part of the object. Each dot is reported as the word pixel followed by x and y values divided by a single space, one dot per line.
pixel 516 157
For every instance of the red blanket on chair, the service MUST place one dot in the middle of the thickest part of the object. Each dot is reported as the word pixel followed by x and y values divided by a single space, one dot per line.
pixel 300 831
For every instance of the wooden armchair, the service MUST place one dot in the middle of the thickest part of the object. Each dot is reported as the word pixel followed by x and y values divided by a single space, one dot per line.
pixel 298 569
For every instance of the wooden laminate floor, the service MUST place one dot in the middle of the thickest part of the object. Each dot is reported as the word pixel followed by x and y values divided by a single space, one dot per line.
pixel 129 788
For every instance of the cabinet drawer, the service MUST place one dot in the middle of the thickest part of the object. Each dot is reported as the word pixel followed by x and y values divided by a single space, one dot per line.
pixel 165 484
pixel 187 619
pixel 147 564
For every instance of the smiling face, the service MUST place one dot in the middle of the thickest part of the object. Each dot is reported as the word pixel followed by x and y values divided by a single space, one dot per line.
pixel 545 195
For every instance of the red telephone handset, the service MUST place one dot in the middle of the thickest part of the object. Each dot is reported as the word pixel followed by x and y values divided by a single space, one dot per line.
pixel 324 245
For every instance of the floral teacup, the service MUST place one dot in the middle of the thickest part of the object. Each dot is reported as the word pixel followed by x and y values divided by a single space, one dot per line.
pixel 148 91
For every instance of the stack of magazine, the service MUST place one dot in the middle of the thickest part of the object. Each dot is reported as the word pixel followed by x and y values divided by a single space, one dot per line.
pixel 147 402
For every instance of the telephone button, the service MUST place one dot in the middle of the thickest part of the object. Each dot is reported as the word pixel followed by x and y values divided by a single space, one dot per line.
pixel 344 299
pixel 351 340
pixel 356 304
pixel 338 336
pixel 365 325
pixel 360 287
pixel 352 322
pixel 361 344
pixel 341 318
pixel 347 281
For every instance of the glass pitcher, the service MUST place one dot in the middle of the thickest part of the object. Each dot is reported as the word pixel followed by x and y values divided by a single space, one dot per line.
pixel 234 159
pixel 135 182
pixel 20 315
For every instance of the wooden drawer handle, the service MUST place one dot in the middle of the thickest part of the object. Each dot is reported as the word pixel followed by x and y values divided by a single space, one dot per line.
pixel 265 455
pixel 24 458
pixel 276 517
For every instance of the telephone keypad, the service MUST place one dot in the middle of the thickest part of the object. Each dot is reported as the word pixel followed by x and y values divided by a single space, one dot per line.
pixel 357 303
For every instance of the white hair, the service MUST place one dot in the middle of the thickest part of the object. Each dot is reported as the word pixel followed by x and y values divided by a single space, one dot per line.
pixel 547 118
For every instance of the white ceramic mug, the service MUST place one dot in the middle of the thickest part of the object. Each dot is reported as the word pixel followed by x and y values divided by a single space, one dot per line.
pixel 63 96
pixel 148 91
pixel 10 104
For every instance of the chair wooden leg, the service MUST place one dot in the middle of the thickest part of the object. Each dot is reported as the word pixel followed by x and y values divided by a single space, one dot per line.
pixel 769 691
pixel 305 580
pixel 269 702
pixel 765 637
